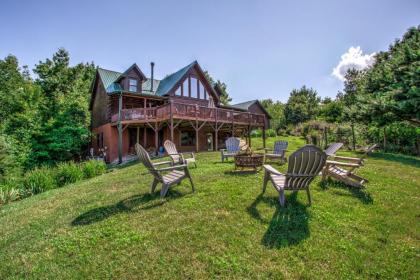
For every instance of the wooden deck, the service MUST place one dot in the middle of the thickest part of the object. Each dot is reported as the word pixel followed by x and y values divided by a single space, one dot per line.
pixel 175 110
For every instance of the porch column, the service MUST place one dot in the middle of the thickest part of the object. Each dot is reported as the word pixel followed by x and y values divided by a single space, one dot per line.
pixel 216 140
pixel 138 135
pixel 263 135
pixel 264 132
pixel 233 128
pixel 249 136
pixel 145 137
pixel 119 128
pixel 171 125
pixel 156 138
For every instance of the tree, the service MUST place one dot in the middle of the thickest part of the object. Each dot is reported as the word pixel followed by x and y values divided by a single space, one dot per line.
pixel 225 99
pixel 392 91
pixel 276 111
pixel 65 131
pixel 302 105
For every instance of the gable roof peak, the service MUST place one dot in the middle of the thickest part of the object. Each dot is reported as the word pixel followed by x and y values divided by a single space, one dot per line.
pixel 135 67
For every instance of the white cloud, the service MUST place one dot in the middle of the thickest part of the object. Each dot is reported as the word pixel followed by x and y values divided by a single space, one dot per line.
pixel 353 58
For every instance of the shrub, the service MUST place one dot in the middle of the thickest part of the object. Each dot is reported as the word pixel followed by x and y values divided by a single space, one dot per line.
pixel 39 180
pixel 67 173
pixel 8 195
pixel 270 133
pixel 256 133
pixel 93 168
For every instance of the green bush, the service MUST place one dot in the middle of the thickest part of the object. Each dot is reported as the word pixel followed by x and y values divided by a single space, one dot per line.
pixel 93 168
pixel 8 195
pixel 256 133
pixel 270 133
pixel 67 173
pixel 39 180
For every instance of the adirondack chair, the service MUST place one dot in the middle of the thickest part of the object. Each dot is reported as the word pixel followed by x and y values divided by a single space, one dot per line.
pixel 344 168
pixel 178 158
pixel 304 165
pixel 279 152
pixel 168 176
pixel 232 148
pixel 332 149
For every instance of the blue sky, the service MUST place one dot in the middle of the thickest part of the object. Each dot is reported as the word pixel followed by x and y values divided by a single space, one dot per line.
pixel 261 49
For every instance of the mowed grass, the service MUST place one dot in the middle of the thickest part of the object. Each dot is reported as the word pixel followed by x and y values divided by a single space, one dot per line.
pixel 109 227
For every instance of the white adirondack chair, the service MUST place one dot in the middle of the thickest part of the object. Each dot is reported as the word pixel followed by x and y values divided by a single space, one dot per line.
pixel 344 169
pixel 232 148
pixel 304 165
pixel 178 158
pixel 168 176
pixel 332 149
pixel 279 152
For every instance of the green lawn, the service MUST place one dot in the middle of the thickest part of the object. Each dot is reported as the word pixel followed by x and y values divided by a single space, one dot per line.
pixel 110 227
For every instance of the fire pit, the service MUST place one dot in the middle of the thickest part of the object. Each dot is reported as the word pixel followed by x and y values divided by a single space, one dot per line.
pixel 254 161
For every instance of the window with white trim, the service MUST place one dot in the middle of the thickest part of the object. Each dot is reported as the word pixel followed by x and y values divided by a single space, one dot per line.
pixel 132 85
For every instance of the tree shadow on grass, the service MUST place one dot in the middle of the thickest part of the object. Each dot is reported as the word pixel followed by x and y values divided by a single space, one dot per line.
pixel 288 225
pixel 403 159
pixel 131 204
pixel 358 193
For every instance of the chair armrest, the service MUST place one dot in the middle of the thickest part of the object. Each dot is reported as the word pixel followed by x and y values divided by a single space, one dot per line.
pixel 332 162
pixel 182 166
pixel 161 163
pixel 348 158
pixel 271 169
pixel 191 155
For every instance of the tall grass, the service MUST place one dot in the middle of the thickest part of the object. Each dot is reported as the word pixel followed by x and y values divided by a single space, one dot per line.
pixel 45 178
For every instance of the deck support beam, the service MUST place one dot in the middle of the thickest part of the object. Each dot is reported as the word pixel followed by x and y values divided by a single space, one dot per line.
pixel 171 123
pixel 197 128
pixel 119 129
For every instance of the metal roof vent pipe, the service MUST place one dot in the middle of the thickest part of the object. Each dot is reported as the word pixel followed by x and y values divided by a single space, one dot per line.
pixel 152 65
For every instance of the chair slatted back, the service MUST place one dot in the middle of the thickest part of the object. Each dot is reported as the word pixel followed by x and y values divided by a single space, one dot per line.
pixel 304 165
pixel 144 157
pixel 333 148
pixel 280 146
pixel 232 144
pixel 171 150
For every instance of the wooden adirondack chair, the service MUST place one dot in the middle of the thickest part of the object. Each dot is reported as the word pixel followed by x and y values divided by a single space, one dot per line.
pixel 279 152
pixel 332 149
pixel 232 148
pixel 178 158
pixel 168 176
pixel 304 165
pixel 344 169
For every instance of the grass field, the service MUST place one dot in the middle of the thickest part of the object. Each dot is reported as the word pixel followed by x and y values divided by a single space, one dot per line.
pixel 109 227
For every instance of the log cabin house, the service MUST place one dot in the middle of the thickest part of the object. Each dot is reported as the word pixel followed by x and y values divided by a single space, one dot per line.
pixel 129 108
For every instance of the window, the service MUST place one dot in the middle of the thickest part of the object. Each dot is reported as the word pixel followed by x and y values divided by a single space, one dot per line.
pixel 203 94
pixel 187 138
pixel 194 93
pixel 178 91
pixel 185 87
pixel 132 86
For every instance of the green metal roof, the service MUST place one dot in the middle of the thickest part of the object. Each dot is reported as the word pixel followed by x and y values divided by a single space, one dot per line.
pixel 244 105
pixel 145 86
pixel 108 78
pixel 170 81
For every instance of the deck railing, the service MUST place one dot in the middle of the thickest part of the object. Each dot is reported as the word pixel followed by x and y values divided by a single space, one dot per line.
pixel 190 112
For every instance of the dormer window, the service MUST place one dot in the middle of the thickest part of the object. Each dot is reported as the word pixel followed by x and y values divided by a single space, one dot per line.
pixel 132 85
